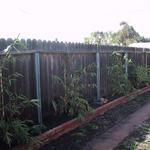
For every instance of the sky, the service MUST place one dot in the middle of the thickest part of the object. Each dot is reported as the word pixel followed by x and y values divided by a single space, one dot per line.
pixel 70 20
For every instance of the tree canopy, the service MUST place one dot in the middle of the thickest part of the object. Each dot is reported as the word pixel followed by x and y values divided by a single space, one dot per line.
pixel 125 36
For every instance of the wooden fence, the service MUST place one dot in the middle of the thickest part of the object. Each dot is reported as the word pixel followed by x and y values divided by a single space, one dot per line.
pixel 39 65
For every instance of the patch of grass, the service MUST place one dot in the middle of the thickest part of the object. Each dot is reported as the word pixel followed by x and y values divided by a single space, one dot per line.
pixel 138 140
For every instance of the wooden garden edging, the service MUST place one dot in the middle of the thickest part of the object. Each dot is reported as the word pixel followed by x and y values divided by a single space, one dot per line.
pixel 56 132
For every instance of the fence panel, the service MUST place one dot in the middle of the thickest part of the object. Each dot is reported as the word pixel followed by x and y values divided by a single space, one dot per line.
pixel 51 64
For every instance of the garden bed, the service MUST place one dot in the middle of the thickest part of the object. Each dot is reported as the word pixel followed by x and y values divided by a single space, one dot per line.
pixel 77 138
pixel 88 129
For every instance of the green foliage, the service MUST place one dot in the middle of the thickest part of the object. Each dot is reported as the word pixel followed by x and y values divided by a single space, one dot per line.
pixel 14 128
pixel 99 38
pixel 142 76
pixel 72 102
pixel 125 36
pixel 118 79
pixel 14 131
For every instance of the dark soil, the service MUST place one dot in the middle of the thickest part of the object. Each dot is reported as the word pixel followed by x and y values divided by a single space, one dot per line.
pixel 53 121
pixel 76 139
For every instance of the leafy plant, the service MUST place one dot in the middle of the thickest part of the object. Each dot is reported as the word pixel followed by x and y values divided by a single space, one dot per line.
pixel 142 76
pixel 118 79
pixel 72 102
pixel 14 128
pixel 125 36
pixel 14 131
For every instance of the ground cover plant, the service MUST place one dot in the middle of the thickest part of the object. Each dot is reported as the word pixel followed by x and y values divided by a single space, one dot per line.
pixel 138 140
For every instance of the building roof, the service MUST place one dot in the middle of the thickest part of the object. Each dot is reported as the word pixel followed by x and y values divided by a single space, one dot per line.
pixel 140 45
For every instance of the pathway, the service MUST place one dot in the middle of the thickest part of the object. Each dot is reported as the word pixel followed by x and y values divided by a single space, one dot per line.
pixel 110 139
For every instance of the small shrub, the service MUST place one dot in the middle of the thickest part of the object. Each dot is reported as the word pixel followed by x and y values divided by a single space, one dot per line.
pixel 72 102
pixel 119 83
pixel 142 76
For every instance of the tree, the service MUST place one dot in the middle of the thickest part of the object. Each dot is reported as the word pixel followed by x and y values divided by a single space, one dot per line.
pixel 125 36
pixel 99 38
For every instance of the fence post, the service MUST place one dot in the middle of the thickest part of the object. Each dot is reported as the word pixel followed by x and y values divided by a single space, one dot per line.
pixel 145 58
pixel 98 75
pixel 38 86
pixel 126 63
